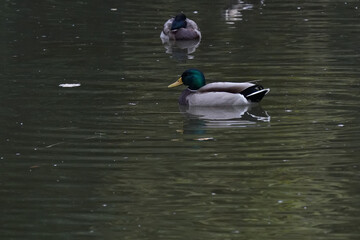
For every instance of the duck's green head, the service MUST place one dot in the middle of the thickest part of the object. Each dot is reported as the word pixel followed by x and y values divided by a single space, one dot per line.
pixel 179 22
pixel 192 78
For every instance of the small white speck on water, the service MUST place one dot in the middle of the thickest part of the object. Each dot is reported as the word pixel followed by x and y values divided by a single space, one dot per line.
pixel 69 85
pixel 204 139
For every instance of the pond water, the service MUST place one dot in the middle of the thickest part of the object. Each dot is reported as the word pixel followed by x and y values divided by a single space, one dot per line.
pixel 93 145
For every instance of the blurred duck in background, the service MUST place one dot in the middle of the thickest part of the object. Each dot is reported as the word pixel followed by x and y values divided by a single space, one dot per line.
pixel 180 28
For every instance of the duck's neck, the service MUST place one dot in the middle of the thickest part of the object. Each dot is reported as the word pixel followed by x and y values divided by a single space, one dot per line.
pixel 196 84
pixel 191 90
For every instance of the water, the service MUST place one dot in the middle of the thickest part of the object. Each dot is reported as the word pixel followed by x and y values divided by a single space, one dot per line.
pixel 112 156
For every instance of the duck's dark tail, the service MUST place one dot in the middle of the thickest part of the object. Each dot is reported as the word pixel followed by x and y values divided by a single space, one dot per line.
pixel 255 93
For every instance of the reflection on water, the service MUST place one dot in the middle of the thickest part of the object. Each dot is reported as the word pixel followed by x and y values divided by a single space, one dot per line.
pixel 181 50
pixel 234 12
pixel 198 119
pixel 246 114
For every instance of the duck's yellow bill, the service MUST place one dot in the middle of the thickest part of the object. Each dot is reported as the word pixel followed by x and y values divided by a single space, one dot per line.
pixel 177 83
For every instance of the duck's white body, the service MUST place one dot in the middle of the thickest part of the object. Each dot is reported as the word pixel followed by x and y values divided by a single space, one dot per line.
pixel 222 99
pixel 219 94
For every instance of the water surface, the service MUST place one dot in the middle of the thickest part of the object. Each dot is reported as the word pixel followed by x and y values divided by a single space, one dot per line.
pixel 112 155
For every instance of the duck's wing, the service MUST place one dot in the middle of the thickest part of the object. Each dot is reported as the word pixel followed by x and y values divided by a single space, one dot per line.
pixel 187 34
pixel 167 26
pixel 191 24
pixel 216 99
pixel 230 87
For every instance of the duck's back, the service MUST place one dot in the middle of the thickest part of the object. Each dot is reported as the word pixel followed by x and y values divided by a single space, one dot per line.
pixel 192 24
pixel 250 91
pixel 230 87
pixel 186 34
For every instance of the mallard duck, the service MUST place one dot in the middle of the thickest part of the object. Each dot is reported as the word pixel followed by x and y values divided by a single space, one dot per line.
pixel 199 93
pixel 180 28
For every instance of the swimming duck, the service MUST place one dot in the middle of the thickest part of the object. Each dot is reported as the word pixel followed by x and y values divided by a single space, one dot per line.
pixel 180 28
pixel 199 93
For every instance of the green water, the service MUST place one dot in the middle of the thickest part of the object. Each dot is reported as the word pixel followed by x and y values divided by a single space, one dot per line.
pixel 114 157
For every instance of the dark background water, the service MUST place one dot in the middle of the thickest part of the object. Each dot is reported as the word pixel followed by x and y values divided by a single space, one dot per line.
pixel 115 157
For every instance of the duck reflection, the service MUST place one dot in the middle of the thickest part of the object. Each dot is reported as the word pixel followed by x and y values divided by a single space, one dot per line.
pixel 234 12
pixel 181 50
pixel 200 118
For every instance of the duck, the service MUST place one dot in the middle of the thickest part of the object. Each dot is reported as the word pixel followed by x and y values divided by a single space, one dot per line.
pixel 180 28
pixel 199 93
